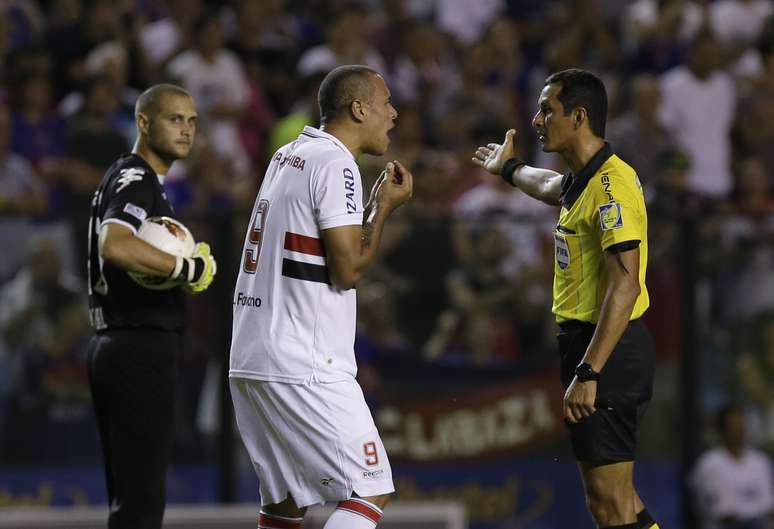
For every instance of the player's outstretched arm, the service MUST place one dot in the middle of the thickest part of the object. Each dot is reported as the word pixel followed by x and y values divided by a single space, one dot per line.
pixel 542 184
pixel 351 249
pixel 118 245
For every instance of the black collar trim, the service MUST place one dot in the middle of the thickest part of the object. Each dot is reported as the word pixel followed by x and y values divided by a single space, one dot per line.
pixel 573 185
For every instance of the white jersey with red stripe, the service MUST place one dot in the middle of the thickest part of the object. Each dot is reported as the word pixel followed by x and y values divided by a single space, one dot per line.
pixel 290 324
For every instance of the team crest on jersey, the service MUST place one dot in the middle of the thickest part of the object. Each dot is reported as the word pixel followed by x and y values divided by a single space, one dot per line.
pixel 562 250
pixel 610 217
pixel 129 175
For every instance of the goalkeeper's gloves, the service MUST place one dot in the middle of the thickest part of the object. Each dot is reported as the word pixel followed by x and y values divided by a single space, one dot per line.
pixel 197 271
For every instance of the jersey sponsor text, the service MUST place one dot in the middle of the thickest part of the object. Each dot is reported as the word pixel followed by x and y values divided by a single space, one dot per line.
pixel 247 301
pixel 349 189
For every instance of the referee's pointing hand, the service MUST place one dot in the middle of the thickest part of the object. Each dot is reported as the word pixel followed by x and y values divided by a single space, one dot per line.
pixel 579 400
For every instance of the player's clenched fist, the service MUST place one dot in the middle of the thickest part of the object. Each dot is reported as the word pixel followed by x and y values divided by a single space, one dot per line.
pixel 395 186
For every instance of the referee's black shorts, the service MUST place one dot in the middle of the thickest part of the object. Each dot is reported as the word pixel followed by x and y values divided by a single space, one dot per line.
pixel 624 390
pixel 132 373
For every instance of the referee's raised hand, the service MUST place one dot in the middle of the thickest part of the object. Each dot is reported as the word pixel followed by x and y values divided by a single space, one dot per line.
pixel 494 155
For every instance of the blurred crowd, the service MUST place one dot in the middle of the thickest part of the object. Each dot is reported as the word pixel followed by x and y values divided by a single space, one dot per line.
pixel 465 270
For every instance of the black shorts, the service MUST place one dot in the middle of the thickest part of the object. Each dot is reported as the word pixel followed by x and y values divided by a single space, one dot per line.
pixel 133 378
pixel 624 390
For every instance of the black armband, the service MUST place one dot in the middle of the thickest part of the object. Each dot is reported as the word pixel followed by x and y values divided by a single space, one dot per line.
pixel 509 167
pixel 623 246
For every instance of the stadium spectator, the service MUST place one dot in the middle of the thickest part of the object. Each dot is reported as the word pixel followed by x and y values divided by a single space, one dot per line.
pixel 668 200
pixel 208 184
pixel 100 22
pixel 742 245
pixel 483 307
pixel 379 337
pixel 458 107
pixel 22 198
pixel 303 112
pixel 517 216
pixel 738 23
pixel 753 132
pixel 754 370
pixel 521 223
pixel 165 38
pixel 466 21
pixel 637 134
pixel 752 194
pixel 44 328
pixel 578 41
pixel 262 27
pixel 423 64
pixel 61 14
pixel 347 43
pixel 259 116
pixel 418 283
pixel 655 33
pixel 93 143
pixel 697 107
pixel 111 61
pixel 37 132
pixel 217 81
pixel 39 135
pixel 733 482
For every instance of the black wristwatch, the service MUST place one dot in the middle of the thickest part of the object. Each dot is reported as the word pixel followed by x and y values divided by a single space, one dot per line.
pixel 585 372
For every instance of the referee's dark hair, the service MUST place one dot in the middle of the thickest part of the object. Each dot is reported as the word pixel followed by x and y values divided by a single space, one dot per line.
pixel 581 88
pixel 341 87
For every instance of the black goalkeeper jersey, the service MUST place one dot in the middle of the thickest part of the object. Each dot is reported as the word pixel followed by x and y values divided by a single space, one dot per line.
pixel 129 192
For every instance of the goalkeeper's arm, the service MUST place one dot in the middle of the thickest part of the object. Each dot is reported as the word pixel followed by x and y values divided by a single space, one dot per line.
pixel 118 245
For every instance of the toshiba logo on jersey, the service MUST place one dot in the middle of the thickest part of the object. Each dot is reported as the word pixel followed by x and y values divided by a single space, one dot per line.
pixel 292 161
pixel 349 189
pixel 247 301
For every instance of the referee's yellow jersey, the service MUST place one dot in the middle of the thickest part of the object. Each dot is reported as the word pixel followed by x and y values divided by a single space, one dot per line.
pixel 603 209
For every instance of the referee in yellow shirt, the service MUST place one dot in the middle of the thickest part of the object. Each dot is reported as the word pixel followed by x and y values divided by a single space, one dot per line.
pixel 601 253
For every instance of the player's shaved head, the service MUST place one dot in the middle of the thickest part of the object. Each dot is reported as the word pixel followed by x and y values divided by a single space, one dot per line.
pixel 150 101
pixel 341 87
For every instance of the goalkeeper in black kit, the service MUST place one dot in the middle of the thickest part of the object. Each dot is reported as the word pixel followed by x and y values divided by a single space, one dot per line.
pixel 137 330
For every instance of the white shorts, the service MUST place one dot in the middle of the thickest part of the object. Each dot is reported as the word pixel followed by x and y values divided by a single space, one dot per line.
pixel 317 442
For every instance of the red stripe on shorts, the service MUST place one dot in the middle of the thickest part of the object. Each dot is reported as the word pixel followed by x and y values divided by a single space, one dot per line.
pixel 266 521
pixel 362 509
pixel 295 242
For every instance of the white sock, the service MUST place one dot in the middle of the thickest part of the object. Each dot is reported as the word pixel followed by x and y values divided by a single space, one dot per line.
pixel 272 521
pixel 354 513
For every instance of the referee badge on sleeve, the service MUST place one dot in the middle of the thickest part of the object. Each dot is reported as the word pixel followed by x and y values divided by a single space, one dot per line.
pixel 610 217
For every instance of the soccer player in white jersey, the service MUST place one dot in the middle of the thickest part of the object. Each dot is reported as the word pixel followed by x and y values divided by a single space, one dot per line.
pixel 301 414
